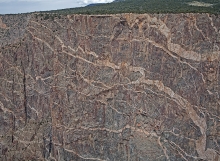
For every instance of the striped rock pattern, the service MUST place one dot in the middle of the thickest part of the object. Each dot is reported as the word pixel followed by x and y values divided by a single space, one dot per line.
pixel 123 87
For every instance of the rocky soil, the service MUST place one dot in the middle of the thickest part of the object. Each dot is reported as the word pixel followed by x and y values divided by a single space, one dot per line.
pixel 123 87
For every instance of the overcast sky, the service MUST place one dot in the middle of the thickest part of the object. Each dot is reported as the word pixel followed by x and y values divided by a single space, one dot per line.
pixel 23 6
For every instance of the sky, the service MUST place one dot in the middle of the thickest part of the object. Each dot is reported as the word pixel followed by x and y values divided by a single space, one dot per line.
pixel 23 6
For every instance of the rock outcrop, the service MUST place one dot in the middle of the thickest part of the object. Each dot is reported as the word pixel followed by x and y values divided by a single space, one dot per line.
pixel 123 87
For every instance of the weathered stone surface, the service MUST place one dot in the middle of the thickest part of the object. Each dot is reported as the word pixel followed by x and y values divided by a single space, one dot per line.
pixel 115 88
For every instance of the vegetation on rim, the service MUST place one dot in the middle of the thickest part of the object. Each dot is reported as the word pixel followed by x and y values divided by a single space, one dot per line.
pixel 145 6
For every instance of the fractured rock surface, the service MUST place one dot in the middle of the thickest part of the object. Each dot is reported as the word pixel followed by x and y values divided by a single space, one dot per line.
pixel 122 87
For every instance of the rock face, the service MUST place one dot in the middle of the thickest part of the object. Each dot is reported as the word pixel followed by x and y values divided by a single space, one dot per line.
pixel 122 87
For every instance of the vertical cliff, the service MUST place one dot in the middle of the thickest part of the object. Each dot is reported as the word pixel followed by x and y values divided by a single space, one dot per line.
pixel 122 87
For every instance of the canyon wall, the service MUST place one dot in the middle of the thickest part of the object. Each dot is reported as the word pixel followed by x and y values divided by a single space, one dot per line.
pixel 123 87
